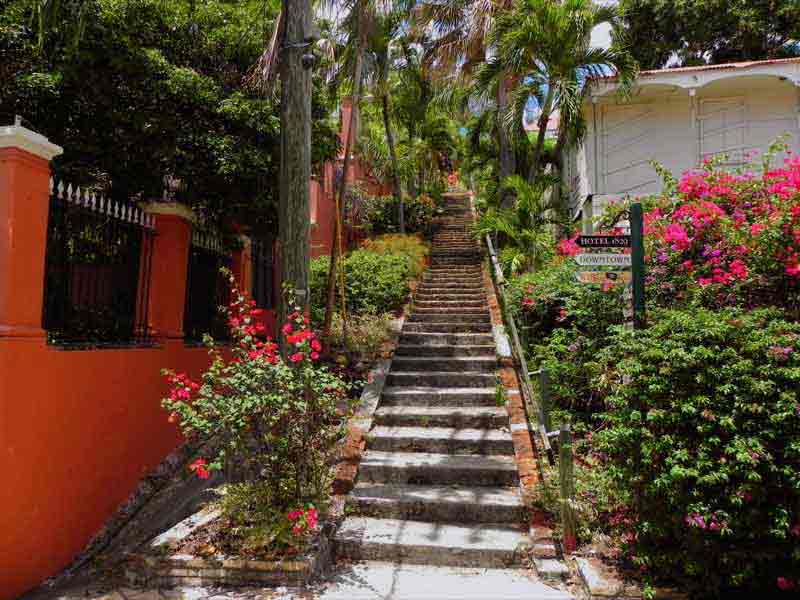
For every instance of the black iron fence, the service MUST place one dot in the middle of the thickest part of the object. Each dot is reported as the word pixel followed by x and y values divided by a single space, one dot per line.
pixel 97 275
pixel 262 262
pixel 206 288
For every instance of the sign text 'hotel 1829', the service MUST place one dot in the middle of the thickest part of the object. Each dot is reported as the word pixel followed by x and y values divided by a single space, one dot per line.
pixel 604 241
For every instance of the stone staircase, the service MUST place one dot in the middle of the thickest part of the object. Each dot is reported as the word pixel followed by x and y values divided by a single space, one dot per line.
pixel 438 483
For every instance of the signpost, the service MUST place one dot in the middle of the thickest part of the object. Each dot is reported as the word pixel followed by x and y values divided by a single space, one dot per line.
pixel 604 260
pixel 604 241
pixel 633 264
pixel 600 277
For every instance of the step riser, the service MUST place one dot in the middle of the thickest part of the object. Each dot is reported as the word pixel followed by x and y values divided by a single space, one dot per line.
pixel 439 446
pixel 471 286
pixel 401 363
pixel 456 420
pixel 438 400
pixel 476 304
pixel 446 512
pixel 447 328
pixel 441 316
pixel 455 379
pixel 445 339
pixel 429 555
pixel 436 475
pixel 440 351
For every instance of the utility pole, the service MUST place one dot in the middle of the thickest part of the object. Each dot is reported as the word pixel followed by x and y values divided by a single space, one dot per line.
pixel 296 62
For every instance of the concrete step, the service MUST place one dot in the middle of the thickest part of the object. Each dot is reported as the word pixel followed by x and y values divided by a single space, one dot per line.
pixel 448 504
pixel 445 339
pixel 447 327
pixel 426 296
pixel 450 286
pixel 438 315
pixel 440 440
pixel 459 364
pixel 442 350
pixel 439 469
pixel 441 378
pixel 373 580
pixel 417 542
pixel 463 417
pixel 426 396
pixel 451 304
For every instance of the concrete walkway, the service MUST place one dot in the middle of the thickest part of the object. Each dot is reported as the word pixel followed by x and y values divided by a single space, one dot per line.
pixel 359 581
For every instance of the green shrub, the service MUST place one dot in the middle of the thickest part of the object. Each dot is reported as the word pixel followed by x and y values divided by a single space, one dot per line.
pixel 410 246
pixel 366 334
pixel 552 298
pixel 703 430
pixel 375 283
pixel 383 215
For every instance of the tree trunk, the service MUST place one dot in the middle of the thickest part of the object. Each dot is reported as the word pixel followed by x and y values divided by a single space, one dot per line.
pixel 398 193
pixel 544 118
pixel 295 155
pixel 332 267
pixel 507 159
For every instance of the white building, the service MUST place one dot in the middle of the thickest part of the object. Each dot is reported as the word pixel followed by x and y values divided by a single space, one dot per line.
pixel 678 117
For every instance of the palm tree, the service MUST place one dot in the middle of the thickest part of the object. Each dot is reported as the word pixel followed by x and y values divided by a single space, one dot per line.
pixel 462 37
pixel 545 45
pixel 378 57
pixel 525 228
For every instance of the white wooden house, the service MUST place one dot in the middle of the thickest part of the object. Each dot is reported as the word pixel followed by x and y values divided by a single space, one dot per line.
pixel 678 117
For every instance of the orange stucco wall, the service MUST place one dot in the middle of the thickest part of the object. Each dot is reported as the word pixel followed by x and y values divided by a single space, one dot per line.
pixel 78 429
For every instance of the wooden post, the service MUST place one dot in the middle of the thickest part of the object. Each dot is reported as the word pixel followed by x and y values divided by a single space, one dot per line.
pixel 544 383
pixel 295 71
pixel 567 483
pixel 637 266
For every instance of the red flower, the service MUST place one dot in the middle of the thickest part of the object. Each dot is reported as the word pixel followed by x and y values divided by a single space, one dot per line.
pixel 294 515
pixel 785 584
pixel 315 345
pixel 287 329
pixel 312 518
pixel 200 468
pixel 297 357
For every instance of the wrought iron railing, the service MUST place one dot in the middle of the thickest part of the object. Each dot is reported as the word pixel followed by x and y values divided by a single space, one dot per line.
pixel 262 261
pixel 207 289
pixel 97 270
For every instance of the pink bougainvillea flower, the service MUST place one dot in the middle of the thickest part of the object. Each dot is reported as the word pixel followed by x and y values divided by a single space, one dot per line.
pixel 287 329
pixel 676 235
pixel 738 269
pixel 757 228
pixel 297 357
pixel 314 355
pixel 315 345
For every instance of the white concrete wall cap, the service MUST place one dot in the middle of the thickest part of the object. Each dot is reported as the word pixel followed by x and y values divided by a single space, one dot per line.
pixel 170 208
pixel 17 136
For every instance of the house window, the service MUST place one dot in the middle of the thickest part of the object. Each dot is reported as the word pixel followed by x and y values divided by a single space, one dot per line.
pixel 723 129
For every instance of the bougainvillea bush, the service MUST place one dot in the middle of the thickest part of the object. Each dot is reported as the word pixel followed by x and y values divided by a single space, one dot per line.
pixel 564 323
pixel 702 431
pixel 696 419
pixel 275 422
pixel 728 238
